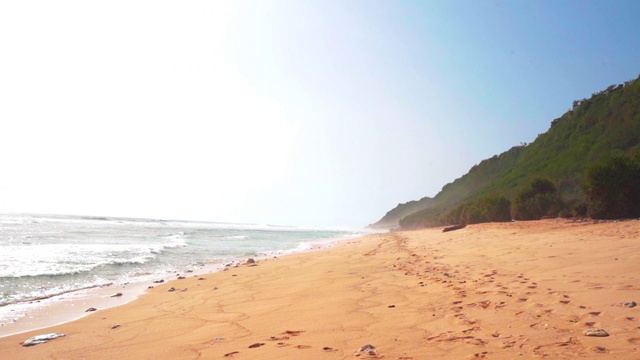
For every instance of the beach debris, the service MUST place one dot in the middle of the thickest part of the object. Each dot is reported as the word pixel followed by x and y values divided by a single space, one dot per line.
pixel 116 295
pixel 171 289
pixel 200 279
pixel 181 277
pixel 115 326
pixel 91 309
pixel 40 339
pixel 628 304
pixel 231 353
pixel 256 345
pixel 250 261
pixel 158 281
pixel 391 306
pixel 366 350
pixel 596 332
pixel 454 227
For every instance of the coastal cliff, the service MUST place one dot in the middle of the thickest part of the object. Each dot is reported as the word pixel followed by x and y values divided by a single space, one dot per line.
pixel 608 121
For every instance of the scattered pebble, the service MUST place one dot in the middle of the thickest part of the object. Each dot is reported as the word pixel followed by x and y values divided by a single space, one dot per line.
pixel 158 281
pixel 256 345
pixel 171 289
pixel 596 332
pixel 391 306
pixel 91 309
pixel 628 304
pixel 115 326
pixel 366 350
pixel 116 295
pixel 40 339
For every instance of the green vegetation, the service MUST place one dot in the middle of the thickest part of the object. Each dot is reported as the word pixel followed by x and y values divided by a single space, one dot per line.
pixel 485 209
pixel 612 186
pixel 537 199
pixel 608 121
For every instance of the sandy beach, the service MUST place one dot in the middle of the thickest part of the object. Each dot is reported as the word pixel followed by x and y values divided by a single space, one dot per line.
pixel 516 290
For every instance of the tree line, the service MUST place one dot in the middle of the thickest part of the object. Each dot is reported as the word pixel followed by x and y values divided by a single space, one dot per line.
pixel 611 186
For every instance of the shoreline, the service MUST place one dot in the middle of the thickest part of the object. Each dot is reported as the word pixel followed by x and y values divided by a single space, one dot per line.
pixel 71 305
pixel 499 291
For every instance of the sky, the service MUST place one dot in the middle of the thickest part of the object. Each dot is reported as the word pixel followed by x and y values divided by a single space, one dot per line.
pixel 308 113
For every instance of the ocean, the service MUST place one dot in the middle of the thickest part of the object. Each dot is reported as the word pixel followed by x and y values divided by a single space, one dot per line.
pixel 44 256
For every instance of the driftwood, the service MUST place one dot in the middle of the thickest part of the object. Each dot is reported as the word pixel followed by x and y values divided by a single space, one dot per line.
pixel 454 227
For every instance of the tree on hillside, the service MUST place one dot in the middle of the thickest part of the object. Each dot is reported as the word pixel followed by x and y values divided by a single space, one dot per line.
pixel 538 198
pixel 486 209
pixel 612 186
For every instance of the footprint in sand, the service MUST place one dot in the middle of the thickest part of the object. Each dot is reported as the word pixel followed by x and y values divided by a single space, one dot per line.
pixel 482 355
pixel 292 332
pixel 278 338
pixel 635 341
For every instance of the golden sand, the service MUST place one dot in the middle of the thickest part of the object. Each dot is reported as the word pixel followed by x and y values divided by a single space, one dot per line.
pixel 521 290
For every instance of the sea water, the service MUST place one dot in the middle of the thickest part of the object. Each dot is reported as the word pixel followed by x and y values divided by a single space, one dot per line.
pixel 43 256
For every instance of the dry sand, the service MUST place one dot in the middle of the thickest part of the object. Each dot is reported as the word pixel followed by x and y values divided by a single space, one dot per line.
pixel 520 290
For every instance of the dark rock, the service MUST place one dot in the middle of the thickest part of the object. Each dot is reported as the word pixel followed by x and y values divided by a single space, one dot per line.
pixel 116 295
pixel 158 281
pixel 454 227
pixel 91 309
pixel 171 289
pixel 628 304
pixel 115 326
pixel 366 350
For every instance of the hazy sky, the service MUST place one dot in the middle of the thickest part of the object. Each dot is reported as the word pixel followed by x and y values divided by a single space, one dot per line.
pixel 315 113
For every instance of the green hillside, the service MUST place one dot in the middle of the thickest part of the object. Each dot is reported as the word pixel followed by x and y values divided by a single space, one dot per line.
pixel 608 121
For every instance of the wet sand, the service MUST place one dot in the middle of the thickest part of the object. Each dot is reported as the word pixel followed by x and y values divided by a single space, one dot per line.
pixel 521 290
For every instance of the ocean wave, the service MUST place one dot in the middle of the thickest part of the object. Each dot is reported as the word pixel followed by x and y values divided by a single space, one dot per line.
pixel 68 259
pixel 236 237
